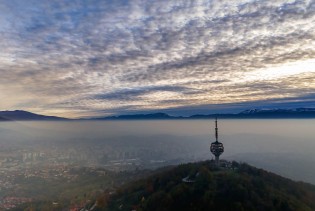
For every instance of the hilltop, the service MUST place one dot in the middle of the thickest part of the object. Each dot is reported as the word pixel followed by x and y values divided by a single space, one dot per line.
pixel 198 186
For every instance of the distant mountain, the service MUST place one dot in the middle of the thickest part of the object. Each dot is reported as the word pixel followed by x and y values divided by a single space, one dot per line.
pixel 200 186
pixel 264 114
pixel 140 116
pixel 279 113
pixel 247 114
pixel 24 115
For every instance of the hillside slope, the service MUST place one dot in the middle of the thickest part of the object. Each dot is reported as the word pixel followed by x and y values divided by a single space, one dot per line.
pixel 19 115
pixel 199 186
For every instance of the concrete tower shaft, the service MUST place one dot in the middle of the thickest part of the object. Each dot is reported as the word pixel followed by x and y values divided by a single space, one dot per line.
pixel 216 147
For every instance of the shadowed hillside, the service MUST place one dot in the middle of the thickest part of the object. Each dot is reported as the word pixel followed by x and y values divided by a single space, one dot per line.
pixel 199 186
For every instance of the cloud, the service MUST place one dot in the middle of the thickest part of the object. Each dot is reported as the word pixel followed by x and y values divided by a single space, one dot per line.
pixel 137 93
pixel 74 57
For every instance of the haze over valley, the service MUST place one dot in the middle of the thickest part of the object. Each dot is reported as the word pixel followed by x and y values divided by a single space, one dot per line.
pixel 104 102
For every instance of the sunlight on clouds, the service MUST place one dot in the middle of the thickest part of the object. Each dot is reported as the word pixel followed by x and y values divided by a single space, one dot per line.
pixel 161 95
pixel 110 57
pixel 280 71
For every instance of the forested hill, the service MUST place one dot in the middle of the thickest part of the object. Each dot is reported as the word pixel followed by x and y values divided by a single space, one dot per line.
pixel 199 186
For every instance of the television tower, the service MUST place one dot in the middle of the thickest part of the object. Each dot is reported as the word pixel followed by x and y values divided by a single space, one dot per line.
pixel 216 147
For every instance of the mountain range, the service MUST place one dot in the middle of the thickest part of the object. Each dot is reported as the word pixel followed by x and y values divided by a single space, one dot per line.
pixel 19 115
pixel 251 113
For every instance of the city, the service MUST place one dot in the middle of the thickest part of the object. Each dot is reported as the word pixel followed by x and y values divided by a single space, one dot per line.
pixel 27 172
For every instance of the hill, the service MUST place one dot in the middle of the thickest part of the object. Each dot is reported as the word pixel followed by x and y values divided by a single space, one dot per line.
pixel 25 115
pixel 198 186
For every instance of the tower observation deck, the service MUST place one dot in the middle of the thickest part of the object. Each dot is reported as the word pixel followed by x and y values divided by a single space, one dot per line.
pixel 216 147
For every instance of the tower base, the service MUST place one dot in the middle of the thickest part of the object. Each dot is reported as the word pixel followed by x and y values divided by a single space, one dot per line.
pixel 217 161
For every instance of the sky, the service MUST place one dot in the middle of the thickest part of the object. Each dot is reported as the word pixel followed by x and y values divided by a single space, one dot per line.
pixel 80 58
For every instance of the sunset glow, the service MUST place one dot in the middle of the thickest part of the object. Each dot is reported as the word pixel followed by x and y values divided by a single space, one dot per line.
pixel 99 58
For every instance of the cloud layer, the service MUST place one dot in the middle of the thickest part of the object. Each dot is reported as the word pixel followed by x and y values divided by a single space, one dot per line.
pixel 82 58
